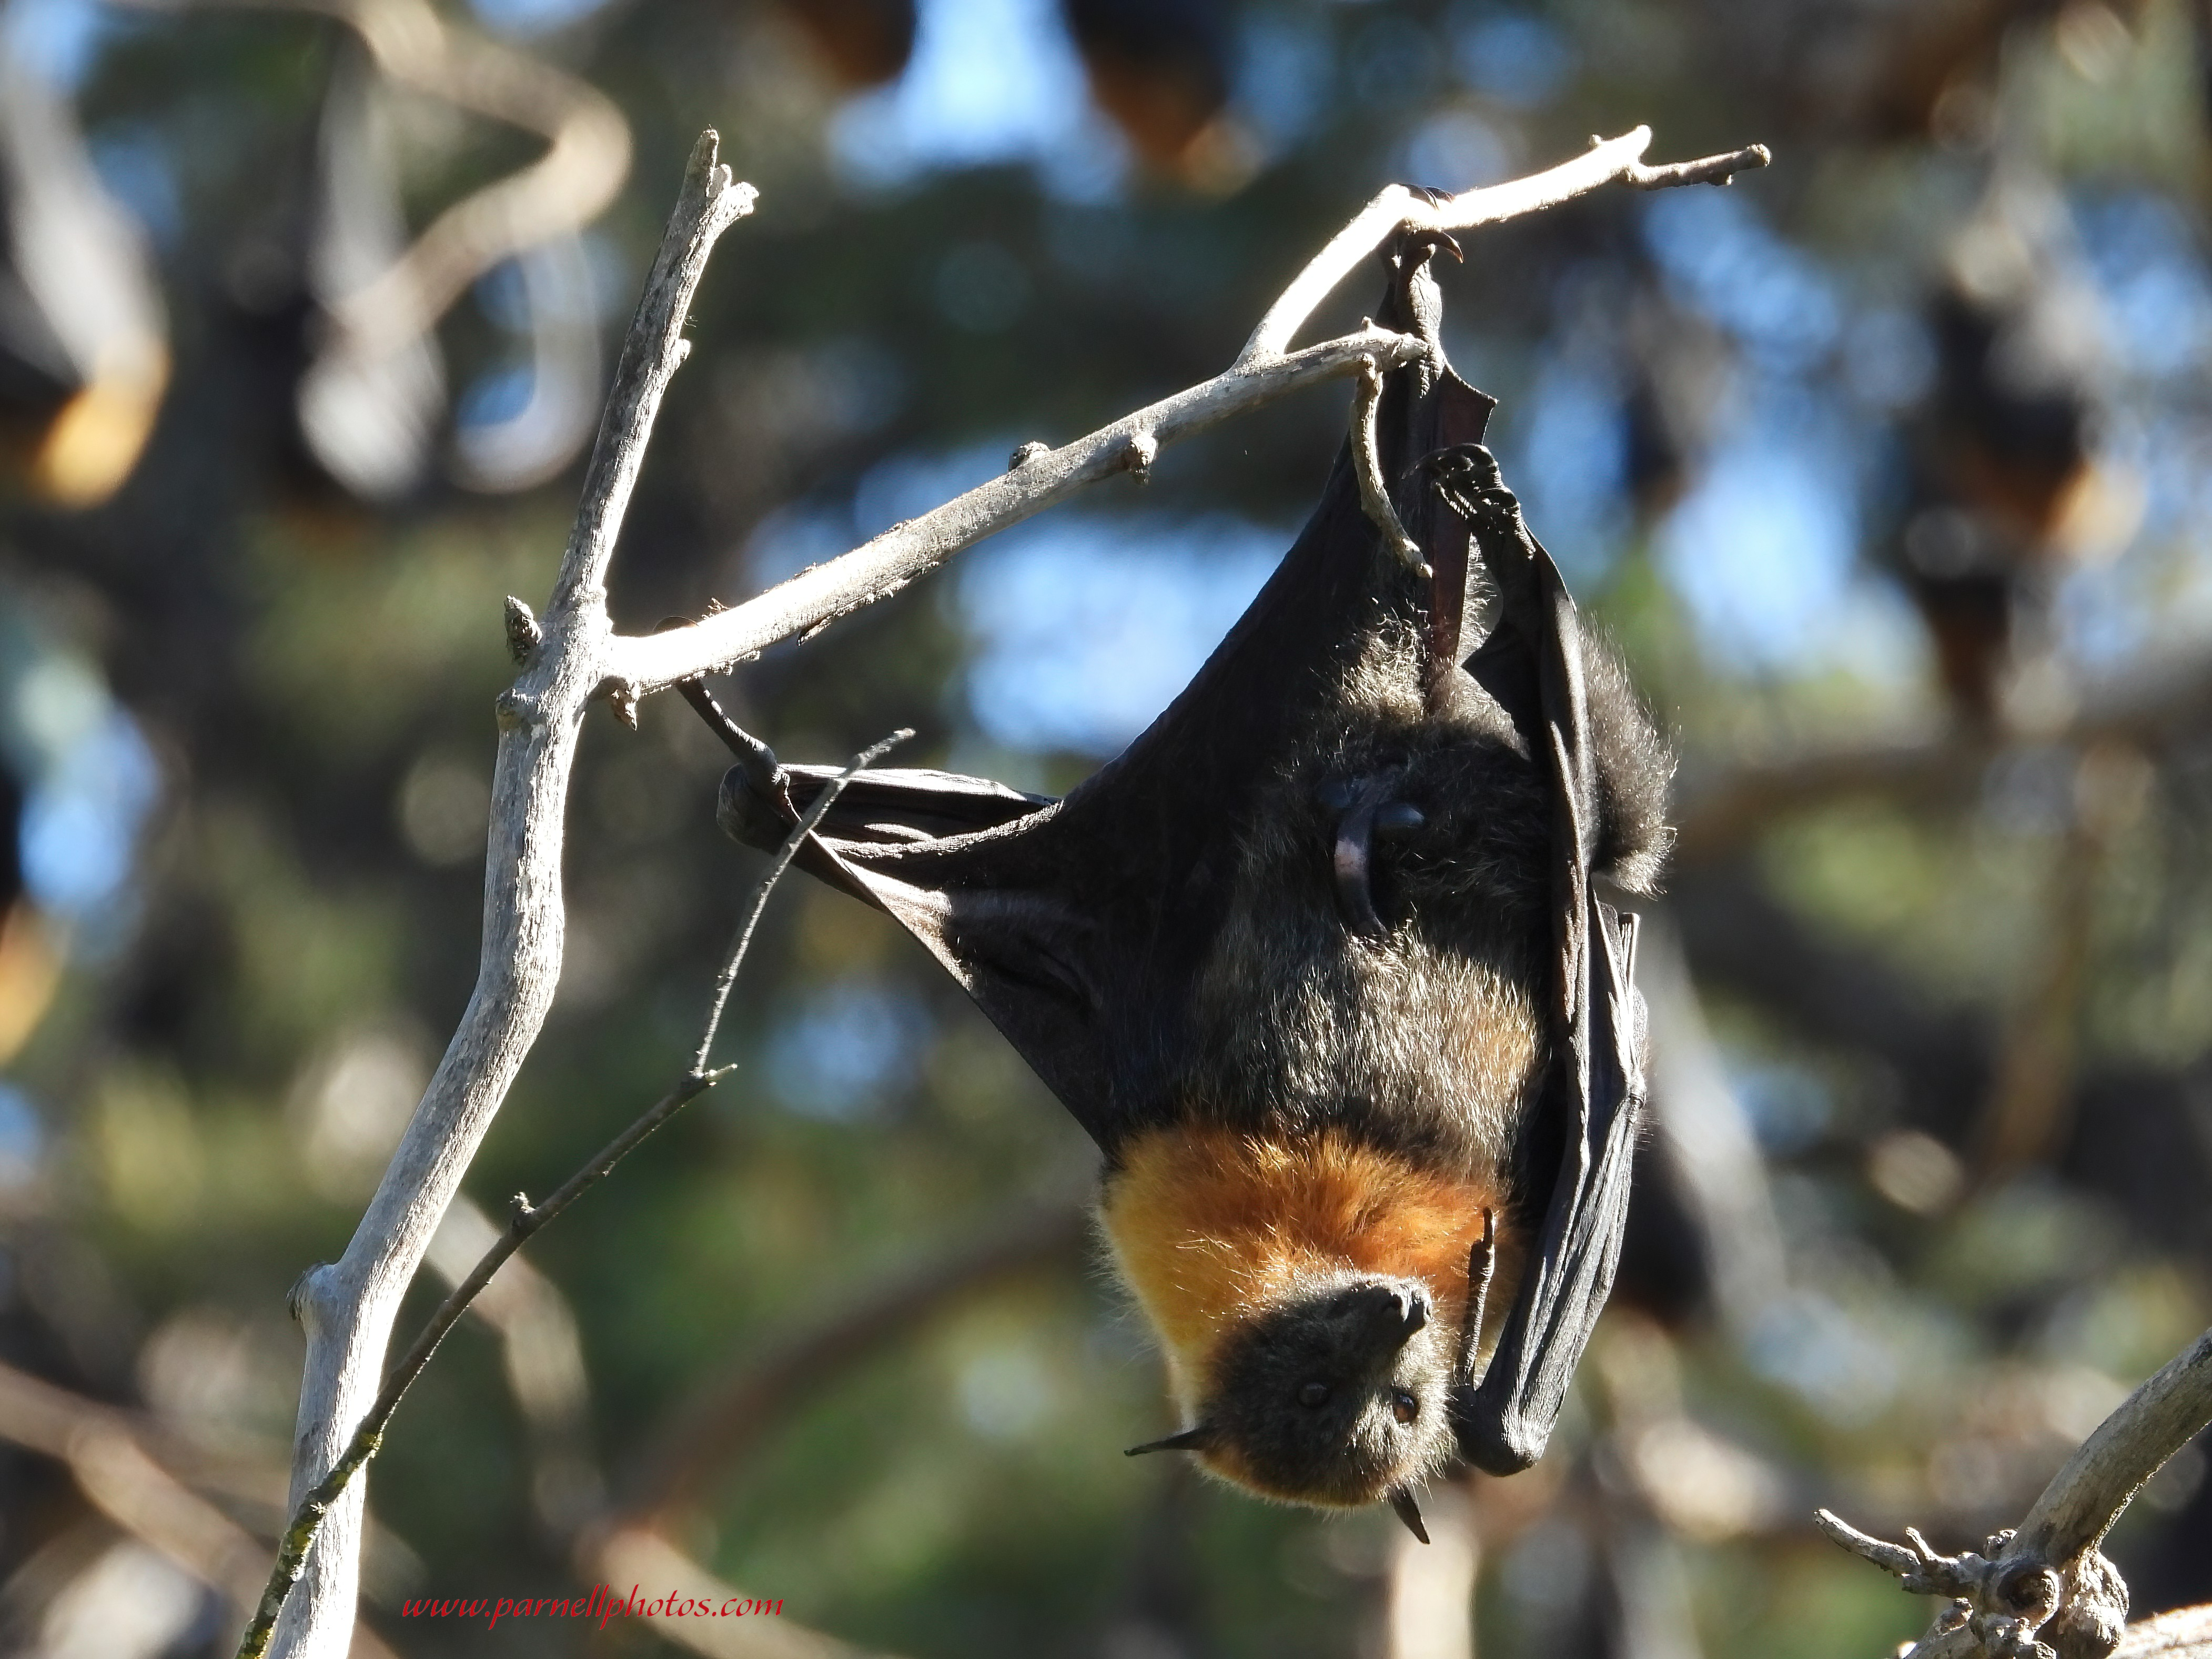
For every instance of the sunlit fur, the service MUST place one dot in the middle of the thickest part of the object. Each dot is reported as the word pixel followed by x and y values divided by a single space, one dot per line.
pixel 1357 1102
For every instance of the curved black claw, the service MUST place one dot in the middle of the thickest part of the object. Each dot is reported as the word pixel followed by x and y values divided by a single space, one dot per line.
pixel 755 806
pixel 758 759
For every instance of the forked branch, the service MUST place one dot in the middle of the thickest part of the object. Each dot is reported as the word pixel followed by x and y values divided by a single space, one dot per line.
pixel 2043 1590
pixel 1263 371
pixel 347 1307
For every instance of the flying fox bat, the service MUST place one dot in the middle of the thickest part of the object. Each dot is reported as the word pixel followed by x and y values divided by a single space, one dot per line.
pixel 1318 962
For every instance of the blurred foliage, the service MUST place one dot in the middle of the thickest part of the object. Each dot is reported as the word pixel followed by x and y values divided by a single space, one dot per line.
pixel 1929 394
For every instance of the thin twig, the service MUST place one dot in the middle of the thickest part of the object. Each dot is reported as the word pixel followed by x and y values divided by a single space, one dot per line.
pixel 784 855
pixel 1607 161
pixel 524 1220
pixel 639 666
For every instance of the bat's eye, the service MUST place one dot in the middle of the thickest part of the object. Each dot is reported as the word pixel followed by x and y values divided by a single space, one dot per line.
pixel 1404 1406
pixel 1313 1394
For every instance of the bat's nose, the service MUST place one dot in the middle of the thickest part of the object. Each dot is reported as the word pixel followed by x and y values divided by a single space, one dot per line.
pixel 1395 1311
pixel 1413 1310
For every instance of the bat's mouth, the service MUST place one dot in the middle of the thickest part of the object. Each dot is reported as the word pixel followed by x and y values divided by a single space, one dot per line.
pixel 1335 1394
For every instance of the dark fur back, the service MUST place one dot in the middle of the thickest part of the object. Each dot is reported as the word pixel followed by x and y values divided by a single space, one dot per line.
pixel 1635 765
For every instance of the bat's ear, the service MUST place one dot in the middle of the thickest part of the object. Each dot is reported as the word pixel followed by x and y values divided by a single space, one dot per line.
pixel 1189 1440
pixel 1504 1423
pixel 1403 1506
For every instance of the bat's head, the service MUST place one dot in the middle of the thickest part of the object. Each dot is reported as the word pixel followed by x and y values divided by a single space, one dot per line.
pixel 1334 1394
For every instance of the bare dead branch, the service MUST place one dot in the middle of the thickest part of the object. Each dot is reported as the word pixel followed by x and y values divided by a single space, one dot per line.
pixel 1263 371
pixel 2083 1499
pixel 2044 1591
pixel 1607 162
pixel 638 667
pixel 347 1307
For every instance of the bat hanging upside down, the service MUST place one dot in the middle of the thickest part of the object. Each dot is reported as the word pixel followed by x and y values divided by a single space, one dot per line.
pixel 1318 964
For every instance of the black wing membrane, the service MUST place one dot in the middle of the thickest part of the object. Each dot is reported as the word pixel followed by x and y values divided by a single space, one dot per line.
pixel 1504 1425
pixel 1532 664
pixel 1080 926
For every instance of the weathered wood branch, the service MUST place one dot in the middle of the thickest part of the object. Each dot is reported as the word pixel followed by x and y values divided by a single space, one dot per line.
pixel 2043 1590
pixel 640 666
pixel 1607 162
pixel 348 1306
pixel 1263 371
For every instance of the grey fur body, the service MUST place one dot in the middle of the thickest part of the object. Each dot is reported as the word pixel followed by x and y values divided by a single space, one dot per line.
pixel 1425 1039
pixel 1421 1038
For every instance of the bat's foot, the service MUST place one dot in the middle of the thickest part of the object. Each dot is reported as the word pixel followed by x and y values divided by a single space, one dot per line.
pixel 1467 478
pixel 755 758
pixel 756 816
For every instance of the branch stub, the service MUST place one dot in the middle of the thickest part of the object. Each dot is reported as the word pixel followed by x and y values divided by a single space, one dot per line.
pixel 524 635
